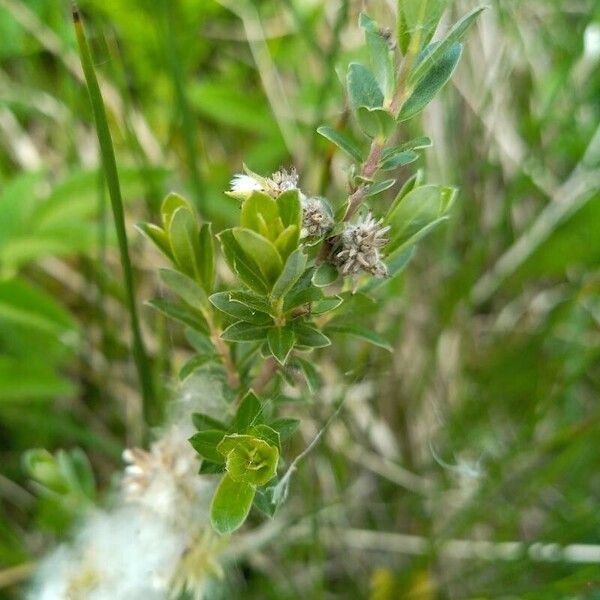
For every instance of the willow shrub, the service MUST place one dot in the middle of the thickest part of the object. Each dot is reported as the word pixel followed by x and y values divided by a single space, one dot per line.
pixel 299 260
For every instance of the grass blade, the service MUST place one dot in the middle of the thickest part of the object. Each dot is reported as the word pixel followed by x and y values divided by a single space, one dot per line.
pixel 112 179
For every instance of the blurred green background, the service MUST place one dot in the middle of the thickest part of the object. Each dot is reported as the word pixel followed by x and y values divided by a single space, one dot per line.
pixel 484 424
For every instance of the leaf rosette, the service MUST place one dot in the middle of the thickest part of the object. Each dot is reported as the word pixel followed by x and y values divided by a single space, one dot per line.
pixel 249 459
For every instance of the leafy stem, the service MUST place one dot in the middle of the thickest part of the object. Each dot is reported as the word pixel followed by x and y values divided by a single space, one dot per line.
pixel 282 306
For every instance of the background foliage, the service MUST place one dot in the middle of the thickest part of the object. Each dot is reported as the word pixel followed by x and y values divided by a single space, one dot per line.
pixel 483 422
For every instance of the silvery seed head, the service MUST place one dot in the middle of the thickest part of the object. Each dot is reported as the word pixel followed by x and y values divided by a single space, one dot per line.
pixel 283 180
pixel 360 248
pixel 316 220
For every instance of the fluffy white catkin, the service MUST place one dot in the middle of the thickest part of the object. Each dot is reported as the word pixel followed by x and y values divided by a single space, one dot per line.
pixel 157 541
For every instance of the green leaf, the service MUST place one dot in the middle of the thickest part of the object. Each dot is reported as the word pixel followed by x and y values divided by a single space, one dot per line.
pixel 76 471
pixel 309 336
pixel 184 243
pixel 325 275
pixel 418 143
pixel 211 468
pixel 227 303
pixel 200 341
pixel 202 422
pixel 206 257
pixel 396 264
pixel 399 160
pixel 438 50
pixel 195 363
pixel 41 466
pixel 251 300
pixel 342 142
pixel 290 208
pixel 263 500
pixel 410 184
pixel 23 304
pixel 380 55
pixel 418 18
pixel 419 209
pixel 60 240
pixel 287 241
pixel 311 375
pixel 205 444
pixel 170 204
pixel 249 459
pixel 186 288
pixel 19 203
pixel 158 237
pixel 249 413
pixel 260 214
pixel 363 89
pixel 432 83
pixel 21 381
pixel 325 305
pixel 281 342
pixel 267 434
pixel 376 122
pixel 75 197
pixel 304 296
pixel 230 505
pixel 292 271
pixel 362 333
pixel 181 313
pixel 377 188
pixel 285 426
pixel 260 250
pixel 246 267
pixel 245 332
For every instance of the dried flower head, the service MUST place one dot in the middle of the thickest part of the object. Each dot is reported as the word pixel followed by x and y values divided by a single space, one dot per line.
pixel 316 219
pixel 283 181
pixel 360 248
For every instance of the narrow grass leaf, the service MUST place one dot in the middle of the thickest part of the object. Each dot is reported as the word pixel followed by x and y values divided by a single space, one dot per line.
pixel 112 179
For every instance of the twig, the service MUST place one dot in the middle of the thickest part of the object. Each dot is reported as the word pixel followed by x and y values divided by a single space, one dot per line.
pixel 368 170
pixel 280 491
pixel 265 375
pixel 387 469
pixel 378 541
pixel 223 349
pixel 366 540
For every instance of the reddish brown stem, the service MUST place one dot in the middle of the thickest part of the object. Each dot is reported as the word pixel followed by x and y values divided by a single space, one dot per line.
pixel 268 370
pixel 368 170
pixel 223 350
